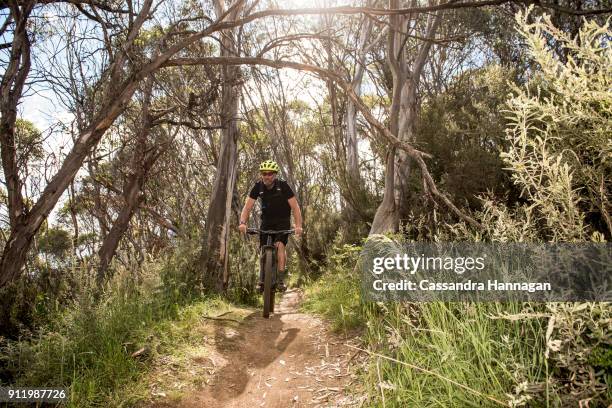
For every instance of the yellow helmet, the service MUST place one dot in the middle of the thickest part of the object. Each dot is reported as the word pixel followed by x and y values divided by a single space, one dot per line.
pixel 268 165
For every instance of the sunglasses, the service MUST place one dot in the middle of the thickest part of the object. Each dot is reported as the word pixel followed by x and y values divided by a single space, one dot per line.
pixel 268 173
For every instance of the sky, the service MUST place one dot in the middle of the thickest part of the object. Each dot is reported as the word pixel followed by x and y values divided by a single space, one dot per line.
pixel 43 109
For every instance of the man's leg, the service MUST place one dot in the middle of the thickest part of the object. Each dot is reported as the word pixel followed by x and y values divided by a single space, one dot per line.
pixel 280 255
pixel 281 262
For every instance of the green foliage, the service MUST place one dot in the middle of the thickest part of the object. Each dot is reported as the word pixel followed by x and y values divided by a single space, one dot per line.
pixel 29 142
pixel 558 152
pixel 559 137
pixel 55 241
pixel 244 263
pixel 322 233
pixel 459 343
pixel 559 156
pixel 482 346
pixel 150 36
pixel 463 129
pixel 31 299
pixel 88 347
pixel 336 295
pixel 578 347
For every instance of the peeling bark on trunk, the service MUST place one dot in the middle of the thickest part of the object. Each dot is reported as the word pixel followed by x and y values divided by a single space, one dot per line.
pixel 403 112
pixel 215 250
pixel 214 257
pixel 386 217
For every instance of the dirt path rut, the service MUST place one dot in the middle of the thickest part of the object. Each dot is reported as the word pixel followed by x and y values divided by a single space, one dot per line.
pixel 288 360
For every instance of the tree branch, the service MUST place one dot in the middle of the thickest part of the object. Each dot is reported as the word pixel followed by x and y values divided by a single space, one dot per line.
pixel 451 5
pixel 393 141
pixel 185 123
pixel 156 216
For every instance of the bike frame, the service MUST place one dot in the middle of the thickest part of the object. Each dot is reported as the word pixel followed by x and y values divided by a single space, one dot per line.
pixel 268 263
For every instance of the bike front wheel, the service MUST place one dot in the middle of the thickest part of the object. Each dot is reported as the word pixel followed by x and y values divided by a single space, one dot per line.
pixel 268 295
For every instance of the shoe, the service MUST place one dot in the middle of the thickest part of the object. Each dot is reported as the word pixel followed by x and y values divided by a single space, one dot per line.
pixel 260 287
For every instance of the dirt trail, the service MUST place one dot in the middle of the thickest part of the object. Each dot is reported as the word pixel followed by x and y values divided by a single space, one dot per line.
pixel 288 360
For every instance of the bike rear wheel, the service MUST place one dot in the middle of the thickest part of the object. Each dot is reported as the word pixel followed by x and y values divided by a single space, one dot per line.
pixel 268 295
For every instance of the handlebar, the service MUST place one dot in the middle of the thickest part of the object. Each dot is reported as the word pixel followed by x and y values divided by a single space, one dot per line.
pixel 253 231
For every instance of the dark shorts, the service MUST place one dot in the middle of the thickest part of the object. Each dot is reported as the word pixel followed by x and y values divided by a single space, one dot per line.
pixel 284 224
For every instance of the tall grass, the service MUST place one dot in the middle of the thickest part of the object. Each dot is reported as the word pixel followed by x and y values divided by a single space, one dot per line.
pixel 449 354
pixel 88 347
pixel 336 295
pixel 461 343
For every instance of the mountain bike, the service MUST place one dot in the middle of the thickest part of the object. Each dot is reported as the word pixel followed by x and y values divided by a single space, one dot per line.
pixel 268 263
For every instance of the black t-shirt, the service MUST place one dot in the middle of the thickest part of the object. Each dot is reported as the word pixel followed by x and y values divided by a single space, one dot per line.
pixel 274 205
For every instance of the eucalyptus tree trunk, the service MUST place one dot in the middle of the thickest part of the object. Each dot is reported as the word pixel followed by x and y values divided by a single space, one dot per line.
pixel 402 115
pixel 214 260
pixel 333 95
pixel 11 89
pixel 352 152
pixel 386 218
pixel 99 210
pixel 353 177
pixel 408 114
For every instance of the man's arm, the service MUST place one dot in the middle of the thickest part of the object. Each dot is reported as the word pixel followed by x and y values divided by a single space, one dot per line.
pixel 246 212
pixel 297 215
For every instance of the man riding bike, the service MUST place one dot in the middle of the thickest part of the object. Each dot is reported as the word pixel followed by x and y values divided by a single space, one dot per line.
pixel 277 203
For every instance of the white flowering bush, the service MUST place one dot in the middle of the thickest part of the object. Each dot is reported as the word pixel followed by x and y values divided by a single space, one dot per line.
pixel 560 155
pixel 560 135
